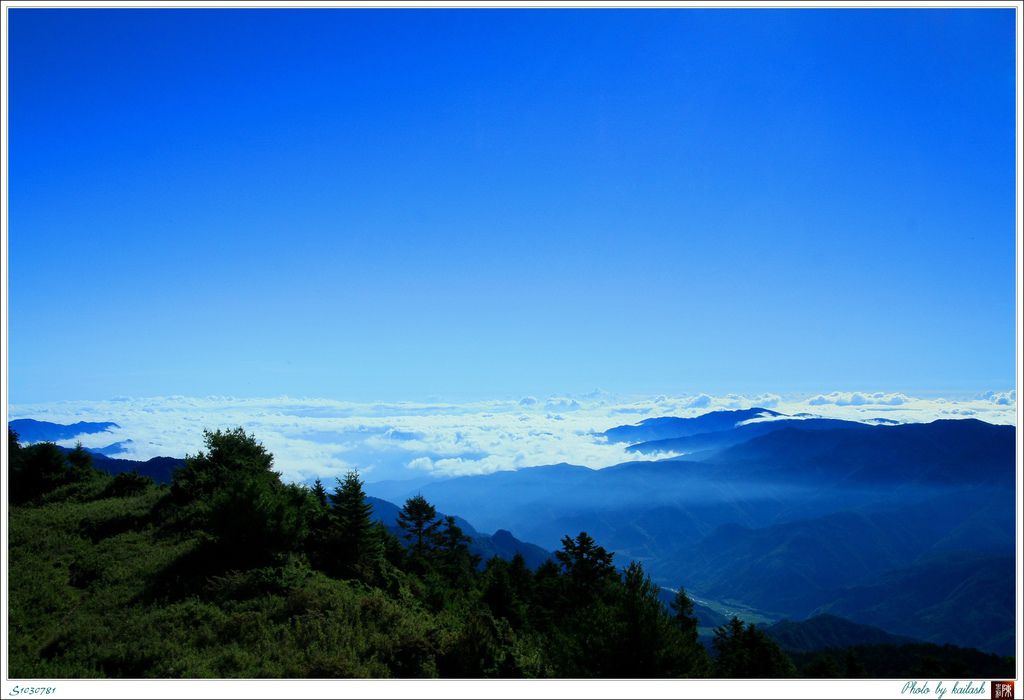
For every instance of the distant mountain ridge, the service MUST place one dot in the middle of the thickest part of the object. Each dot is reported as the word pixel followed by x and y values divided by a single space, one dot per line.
pixel 942 451
pixel 719 439
pixel 791 517
pixel 501 544
pixel 672 427
pixel 159 469
pixel 973 591
pixel 781 516
pixel 829 631
pixel 30 430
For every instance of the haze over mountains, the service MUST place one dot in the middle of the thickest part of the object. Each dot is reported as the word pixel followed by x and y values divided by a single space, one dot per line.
pixel 908 528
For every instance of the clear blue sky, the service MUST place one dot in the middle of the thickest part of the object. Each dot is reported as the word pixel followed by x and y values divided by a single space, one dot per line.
pixel 396 204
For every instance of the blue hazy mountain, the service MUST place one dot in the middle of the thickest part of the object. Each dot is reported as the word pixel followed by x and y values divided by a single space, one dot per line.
pixel 943 451
pixel 111 450
pixel 829 632
pixel 791 568
pixel 159 469
pixel 719 439
pixel 964 598
pixel 30 430
pixel 791 521
pixel 787 474
pixel 399 489
pixel 501 544
pixel 671 427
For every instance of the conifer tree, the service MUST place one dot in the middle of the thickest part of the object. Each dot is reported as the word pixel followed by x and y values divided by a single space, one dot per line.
pixel 80 461
pixel 689 658
pixel 644 632
pixel 587 564
pixel 35 470
pixel 682 614
pixel 320 492
pixel 419 520
pixel 744 651
pixel 355 536
pixel 231 456
pixel 456 560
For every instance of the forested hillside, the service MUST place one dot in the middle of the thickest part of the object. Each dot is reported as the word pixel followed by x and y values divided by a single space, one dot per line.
pixel 229 572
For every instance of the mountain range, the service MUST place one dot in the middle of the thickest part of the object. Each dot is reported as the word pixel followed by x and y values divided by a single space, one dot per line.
pixel 30 430
pixel 829 632
pixel 908 528
pixel 790 516
pixel 159 469
pixel 669 427
pixel 501 544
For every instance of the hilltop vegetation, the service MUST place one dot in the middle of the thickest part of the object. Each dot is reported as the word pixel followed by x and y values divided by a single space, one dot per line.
pixel 229 572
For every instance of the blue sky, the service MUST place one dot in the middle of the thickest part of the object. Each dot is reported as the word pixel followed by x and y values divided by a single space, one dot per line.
pixel 395 204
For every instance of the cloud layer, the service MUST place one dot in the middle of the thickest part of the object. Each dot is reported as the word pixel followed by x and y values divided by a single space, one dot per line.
pixel 325 438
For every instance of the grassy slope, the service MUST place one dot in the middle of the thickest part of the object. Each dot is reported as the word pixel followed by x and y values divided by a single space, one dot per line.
pixel 86 600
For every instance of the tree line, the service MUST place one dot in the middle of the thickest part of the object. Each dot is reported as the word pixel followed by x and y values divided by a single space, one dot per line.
pixel 243 537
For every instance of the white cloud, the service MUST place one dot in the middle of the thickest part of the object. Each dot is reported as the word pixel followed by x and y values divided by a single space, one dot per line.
pixel 766 400
pixel 321 437
pixel 702 401
pixel 561 404
pixel 1001 398
pixel 856 398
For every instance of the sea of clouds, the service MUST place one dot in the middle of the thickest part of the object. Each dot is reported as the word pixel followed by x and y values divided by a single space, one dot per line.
pixel 325 438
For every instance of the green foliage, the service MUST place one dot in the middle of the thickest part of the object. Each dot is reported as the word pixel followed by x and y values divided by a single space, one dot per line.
pixel 587 564
pixel 128 484
pixel 506 590
pixel 37 470
pixel 232 495
pixel 418 519
pixel 689 658
pixel 454 560
pixel 80 460
pixel 902 661
pixel 646 627
pixel 13 446
pixel 352 547
pixel 231 456
pixel 320 493
pixel 251 521
pixel 744 651
pixel 682 613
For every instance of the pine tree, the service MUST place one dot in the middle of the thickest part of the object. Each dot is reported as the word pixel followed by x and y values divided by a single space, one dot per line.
pixel 419 520
pixel 35 470
pixel 355 537
pixel 231 456
pixel 231 492
pixel 320 492
pixel 682 613
pixel 457 563
pixel 80 460
pixel 587 564
pixel 644 627
pixel 689 658
pixel 744 651
pixel 732 657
